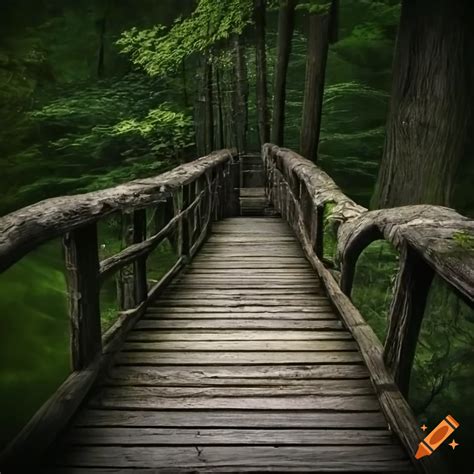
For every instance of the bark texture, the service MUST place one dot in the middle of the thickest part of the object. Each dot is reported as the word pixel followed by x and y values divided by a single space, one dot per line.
pixel 286 25
pixel 261 67
pixel 241 94
pixel 431 104
pixel 318 45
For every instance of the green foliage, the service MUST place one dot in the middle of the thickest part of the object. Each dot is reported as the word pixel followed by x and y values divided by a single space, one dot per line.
pixel 374 280
pixel 315 7
pixel 442 375
pixel 329 232
pixel 99 135
pixel 160 51
pixel 465 240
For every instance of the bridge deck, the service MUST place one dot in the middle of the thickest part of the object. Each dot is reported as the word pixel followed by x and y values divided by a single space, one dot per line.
pixel 242 365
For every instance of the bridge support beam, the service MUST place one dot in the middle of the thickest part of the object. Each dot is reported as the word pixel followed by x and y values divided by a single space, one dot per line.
pixel 406 315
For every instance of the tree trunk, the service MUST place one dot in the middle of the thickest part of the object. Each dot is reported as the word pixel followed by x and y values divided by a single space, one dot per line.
pixel 431 104
pixel 185 84
pixel 261 68
pixel 286 24
pixel 241 94
pixel 220 113
pixel 209 110
pixel 102 27
pixel 204 116
pixel 318 45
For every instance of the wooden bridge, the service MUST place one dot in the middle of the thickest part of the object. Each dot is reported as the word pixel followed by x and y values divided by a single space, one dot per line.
pixel 248 356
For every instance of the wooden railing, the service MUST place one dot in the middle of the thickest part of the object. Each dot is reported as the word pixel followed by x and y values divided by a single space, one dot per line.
pixel 186 200
pixel 425 237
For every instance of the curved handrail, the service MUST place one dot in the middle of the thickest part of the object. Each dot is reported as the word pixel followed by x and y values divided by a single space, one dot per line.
pixel 23 230
pixel 426 239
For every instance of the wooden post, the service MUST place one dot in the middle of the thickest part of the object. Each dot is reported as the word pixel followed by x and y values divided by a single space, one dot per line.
pixel 140 276
pixel 406 315
pixel 186 236
pixel 232 198
pixel 82 271
pixel 132 280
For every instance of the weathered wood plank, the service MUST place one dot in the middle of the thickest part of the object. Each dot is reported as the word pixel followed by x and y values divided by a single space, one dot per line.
pixel 238 335
pixel 230 459
pixel 208 437
pixel 192 310
pixel 239 324
pixel 135 399
pixel 236 358
pixel 267 375
pixel 252 346
pixel 224 419
pixel 202 314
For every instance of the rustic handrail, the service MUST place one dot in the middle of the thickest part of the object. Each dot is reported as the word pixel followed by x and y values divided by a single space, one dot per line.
pixel 425 236
pixel 186 200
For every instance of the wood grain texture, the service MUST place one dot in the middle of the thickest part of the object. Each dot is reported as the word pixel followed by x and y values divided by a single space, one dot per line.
pixel 23 230
pixel 249 367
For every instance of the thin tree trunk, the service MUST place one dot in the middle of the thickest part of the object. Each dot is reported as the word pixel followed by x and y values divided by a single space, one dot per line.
pixel 318 45
pixel 102 27
pixel 431 104
pixel 220 113
pixel 241 94
pixel 185 84
pixel 286 25
pixel 261 68
pixel 209 107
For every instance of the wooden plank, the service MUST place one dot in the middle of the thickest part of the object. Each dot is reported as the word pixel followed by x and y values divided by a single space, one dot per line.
pixel 282 304
pixel 254 346
pixel 126 398
pixel 202 314
pixel 230 419
pixel 239 292
pixel 232 459
pixel 279 324
pixel 238 335
pixel 267 375
pixel 260 309
pixel 236 358
pixel 107 436
pixel 319 387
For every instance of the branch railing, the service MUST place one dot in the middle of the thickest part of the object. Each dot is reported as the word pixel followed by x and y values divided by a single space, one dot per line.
pixel 185 202
pixel 425 237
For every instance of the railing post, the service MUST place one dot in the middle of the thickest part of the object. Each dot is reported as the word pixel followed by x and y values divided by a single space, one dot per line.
pixel 139 235
pixel 317 231
pixel 133 287
pixel 82 270
pixel 186 236
pixel 406 315
pixel 232 198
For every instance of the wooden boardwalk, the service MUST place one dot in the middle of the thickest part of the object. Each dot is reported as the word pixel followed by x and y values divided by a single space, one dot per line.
pixel 241 365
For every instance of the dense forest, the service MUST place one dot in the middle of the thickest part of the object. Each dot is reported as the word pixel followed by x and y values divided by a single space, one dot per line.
pixel 95 93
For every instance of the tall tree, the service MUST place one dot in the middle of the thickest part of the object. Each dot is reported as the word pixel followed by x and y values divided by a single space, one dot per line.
pixel 322 30
pixel 261 68
pixel 431 104
pixel 241 93
pixel 286 25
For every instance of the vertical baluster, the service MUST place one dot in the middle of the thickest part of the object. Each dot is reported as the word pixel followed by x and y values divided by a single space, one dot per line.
pixel 82 271
pixel 185 221
pixel 406 315
pixel 139 235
